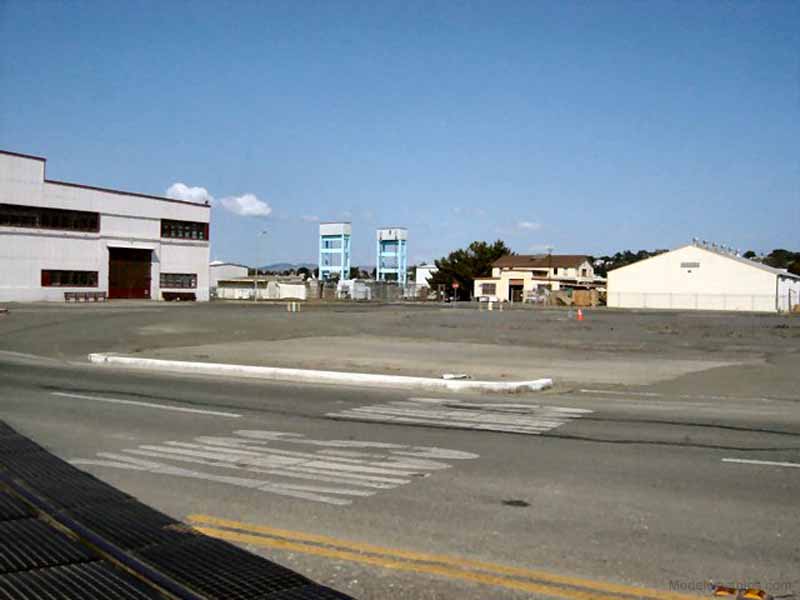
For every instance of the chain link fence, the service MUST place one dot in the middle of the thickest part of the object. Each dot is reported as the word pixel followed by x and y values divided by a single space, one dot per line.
pixel 358 290
pixel 740 302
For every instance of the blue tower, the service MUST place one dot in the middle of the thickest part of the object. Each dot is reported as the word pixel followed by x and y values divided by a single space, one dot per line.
pixel 392 259
pixel 334 250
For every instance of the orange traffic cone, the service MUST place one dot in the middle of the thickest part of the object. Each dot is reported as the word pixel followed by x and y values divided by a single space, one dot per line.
pixel 580 315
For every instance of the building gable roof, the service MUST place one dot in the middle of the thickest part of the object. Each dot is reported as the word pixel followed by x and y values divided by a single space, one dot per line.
pixel 540 261
pixel 101 189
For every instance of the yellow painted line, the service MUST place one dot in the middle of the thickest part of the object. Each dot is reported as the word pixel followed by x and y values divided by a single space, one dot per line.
pixel 448 566
pixel 402 565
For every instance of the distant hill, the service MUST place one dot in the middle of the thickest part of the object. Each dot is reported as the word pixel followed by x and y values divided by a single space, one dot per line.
pixel 287 266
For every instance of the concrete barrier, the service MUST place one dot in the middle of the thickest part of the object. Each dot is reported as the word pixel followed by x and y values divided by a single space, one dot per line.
pixel 325 377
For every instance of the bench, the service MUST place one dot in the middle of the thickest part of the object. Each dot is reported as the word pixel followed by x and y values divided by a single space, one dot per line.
pixel 179 296
pixel 85 296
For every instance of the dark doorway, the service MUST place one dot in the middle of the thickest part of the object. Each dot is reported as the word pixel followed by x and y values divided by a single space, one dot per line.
pixel 129 273
pixel 515 290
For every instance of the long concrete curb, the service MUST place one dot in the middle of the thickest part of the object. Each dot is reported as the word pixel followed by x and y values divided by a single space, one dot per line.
pixel 313 376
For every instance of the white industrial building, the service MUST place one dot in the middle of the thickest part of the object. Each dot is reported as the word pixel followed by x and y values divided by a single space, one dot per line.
pixel 218 270
pixel 423 273
pixel 269 287
pixel 60 240
pixel 703 277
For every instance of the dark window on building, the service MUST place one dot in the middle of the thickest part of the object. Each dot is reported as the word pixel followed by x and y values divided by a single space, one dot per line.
pixel 16 215
pixel 57 278
pixel 489 289
pixel 179 280
pixel 187 230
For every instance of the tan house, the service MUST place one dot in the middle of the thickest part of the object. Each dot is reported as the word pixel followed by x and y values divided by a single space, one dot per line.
pixel 519 277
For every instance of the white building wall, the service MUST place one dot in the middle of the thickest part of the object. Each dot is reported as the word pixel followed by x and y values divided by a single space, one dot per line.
pixel 23 255
pixel 184 256
pixel 788 293
pixel 423 273
pixel 221 271
pixel 720 282
pixel 126 220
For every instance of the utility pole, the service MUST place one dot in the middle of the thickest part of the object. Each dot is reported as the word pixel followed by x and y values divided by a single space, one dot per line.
pixel 263 232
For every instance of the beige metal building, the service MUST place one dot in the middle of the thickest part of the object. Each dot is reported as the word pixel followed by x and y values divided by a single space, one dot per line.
pixel 703 277
pixel 520 277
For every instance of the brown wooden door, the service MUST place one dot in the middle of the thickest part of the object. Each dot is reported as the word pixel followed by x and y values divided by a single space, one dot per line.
pixel 129 273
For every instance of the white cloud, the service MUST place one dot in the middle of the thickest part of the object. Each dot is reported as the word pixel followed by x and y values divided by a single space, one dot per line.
pixel 520 228
pixel 246 205
pixel 310 218
pixel 529 226
pixel 181 191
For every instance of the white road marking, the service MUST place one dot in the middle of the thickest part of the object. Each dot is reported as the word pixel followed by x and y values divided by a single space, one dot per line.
pixel 621 393
pixel 531 419
pixel 770 463
pixel 665 395
pixel 213 413
pixel 332 476
pixel 289 472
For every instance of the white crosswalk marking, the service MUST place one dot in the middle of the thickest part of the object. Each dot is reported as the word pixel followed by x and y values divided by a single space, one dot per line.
pixel 531 419
pixel 332 474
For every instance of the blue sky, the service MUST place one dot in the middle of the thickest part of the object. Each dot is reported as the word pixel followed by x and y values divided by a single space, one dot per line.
pixel 590 127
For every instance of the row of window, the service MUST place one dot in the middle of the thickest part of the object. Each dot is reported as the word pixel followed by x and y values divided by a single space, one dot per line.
pixel 15 215
pixel 179 280
pixel 38 217
pixel 60 278
pixel 187 230
pixel 56 278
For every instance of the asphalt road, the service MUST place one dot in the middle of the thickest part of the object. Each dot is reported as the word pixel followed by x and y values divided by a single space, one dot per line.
pixel 644 487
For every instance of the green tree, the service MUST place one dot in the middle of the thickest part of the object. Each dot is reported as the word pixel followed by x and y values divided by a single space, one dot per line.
pixel 780 258
pixel 465 265
pixel 750 254
pixel 604 264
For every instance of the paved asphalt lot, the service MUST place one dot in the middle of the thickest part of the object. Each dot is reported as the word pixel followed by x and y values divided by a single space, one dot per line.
pixel 518 497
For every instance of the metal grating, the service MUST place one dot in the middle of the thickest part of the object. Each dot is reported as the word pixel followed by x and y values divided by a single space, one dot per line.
pixel 11 508
pixel 59 482
pixel 29 544
pixel 131 525
pixel 217 569
pixel 38 560
pixel 92 581
pixel 14 445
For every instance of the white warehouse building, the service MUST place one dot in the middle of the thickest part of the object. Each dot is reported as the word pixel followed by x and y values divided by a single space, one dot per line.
pixel 703 277
pixel 219 270
pixel 61 239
